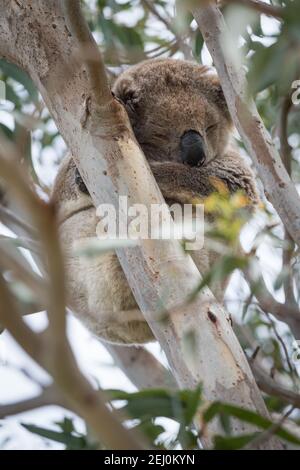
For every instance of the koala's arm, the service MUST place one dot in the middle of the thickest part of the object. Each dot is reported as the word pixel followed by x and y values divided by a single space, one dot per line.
pixel 182 183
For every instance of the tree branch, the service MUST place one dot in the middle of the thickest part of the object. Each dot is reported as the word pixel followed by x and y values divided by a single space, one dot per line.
pixel 273 388
pixel 13 261
pixel 288 249
pixel 88 52
pixel 138 364
pixel 48 396
pixel 185 48
pixel 277 183
pixel 10 219
pixel 43 218
pixel 265 382
pixel 283 312
pixel 268 433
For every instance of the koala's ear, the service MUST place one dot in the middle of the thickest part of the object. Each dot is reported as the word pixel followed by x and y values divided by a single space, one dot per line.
pixel 125 89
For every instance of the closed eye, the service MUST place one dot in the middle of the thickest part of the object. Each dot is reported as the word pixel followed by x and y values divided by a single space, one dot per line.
pixel 212 127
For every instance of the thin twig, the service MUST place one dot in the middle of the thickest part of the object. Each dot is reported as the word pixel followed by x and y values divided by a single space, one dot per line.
pixel 21 242
pixel 48 396
pixel 43 217
pixel 266 383
pixel 273 388
pixel 280 340
pixel 52 350
pixel 289 246
pixel 285 313
pixel 9 218
pixel 268 433
pixel 16 264
pixel 261 7
pixel 78 392
pixel 10 319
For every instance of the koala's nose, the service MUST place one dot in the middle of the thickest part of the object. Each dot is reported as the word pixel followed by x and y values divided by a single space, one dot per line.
pixel 192 148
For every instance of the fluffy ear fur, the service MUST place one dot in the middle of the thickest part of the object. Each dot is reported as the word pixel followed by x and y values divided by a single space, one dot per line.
pixel 129 94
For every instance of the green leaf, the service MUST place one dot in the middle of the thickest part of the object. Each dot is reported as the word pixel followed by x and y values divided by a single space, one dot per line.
pixel 187 438
pixel 225 423
pixel 192 398
pixel 184 16
pixel 121 40
pixel 72 442
pixel 221 270
pixel 66 425
pixel 147 403
pixel 179 405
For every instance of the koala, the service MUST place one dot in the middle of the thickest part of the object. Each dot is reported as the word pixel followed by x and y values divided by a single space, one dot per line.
pixel 180 119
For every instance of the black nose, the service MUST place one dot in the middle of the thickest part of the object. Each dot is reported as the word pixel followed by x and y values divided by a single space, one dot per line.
pixel 191 148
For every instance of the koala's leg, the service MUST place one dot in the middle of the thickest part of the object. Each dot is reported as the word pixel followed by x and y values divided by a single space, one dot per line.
pixel 97 289
pixel 103 301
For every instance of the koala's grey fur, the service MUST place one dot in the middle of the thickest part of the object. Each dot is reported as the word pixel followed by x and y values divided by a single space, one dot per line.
pixel 164 99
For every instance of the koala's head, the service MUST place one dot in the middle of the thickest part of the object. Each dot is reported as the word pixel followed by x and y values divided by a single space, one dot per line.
pixel 177 110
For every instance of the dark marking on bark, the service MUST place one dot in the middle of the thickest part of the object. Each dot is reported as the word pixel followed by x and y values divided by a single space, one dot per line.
pixel 212 317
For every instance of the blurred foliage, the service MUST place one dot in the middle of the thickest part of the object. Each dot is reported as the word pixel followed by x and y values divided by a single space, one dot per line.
pixel 143 408
pixel 128 31
pixel 66 435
